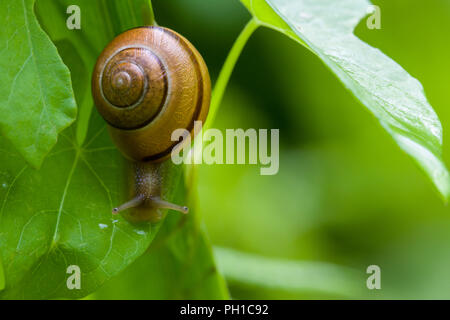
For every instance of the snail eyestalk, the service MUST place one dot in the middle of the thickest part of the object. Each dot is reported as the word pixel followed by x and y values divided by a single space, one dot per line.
pixel 154 202
pixel 160 203
pixel 133 203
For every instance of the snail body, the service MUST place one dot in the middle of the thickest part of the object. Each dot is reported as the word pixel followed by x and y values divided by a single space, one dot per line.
pixel 148 82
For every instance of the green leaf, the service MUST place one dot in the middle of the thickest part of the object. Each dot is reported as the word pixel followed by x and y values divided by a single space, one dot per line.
pixel 265 16
pixel 2 277
pixel 288 276
pixel 36 97
pixel 386 89
pixel 60 215
pixel 179 265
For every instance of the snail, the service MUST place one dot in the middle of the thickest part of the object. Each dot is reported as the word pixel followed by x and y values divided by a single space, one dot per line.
pixel 148 82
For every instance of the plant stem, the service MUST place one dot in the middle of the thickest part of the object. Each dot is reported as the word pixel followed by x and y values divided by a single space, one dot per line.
pixel 227 69
pixel 220 86
pixel 149 15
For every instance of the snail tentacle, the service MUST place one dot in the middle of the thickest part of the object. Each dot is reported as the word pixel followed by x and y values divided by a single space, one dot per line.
pixel 157 202
pixel 133 203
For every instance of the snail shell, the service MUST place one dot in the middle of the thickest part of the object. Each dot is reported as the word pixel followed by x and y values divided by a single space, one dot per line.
pixel 148 82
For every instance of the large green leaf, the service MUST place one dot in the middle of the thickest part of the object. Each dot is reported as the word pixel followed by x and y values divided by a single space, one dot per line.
pixel 60 215
pixel 36 97
pixel 179 265
pixel 386 89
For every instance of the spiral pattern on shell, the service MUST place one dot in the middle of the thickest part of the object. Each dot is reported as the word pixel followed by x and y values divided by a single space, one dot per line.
pixel 148 82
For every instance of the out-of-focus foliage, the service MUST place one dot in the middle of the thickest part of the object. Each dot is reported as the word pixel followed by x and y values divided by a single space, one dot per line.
pixel 2 277
pixel 292 278
pixel 384 87
pixel 344 194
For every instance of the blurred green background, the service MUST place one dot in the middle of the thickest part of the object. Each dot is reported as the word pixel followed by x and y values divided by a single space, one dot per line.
pixel 345 193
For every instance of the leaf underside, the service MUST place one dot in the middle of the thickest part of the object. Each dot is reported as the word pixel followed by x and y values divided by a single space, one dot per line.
pixel 395 98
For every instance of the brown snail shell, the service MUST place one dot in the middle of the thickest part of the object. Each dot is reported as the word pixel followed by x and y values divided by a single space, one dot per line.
pixel 148 82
